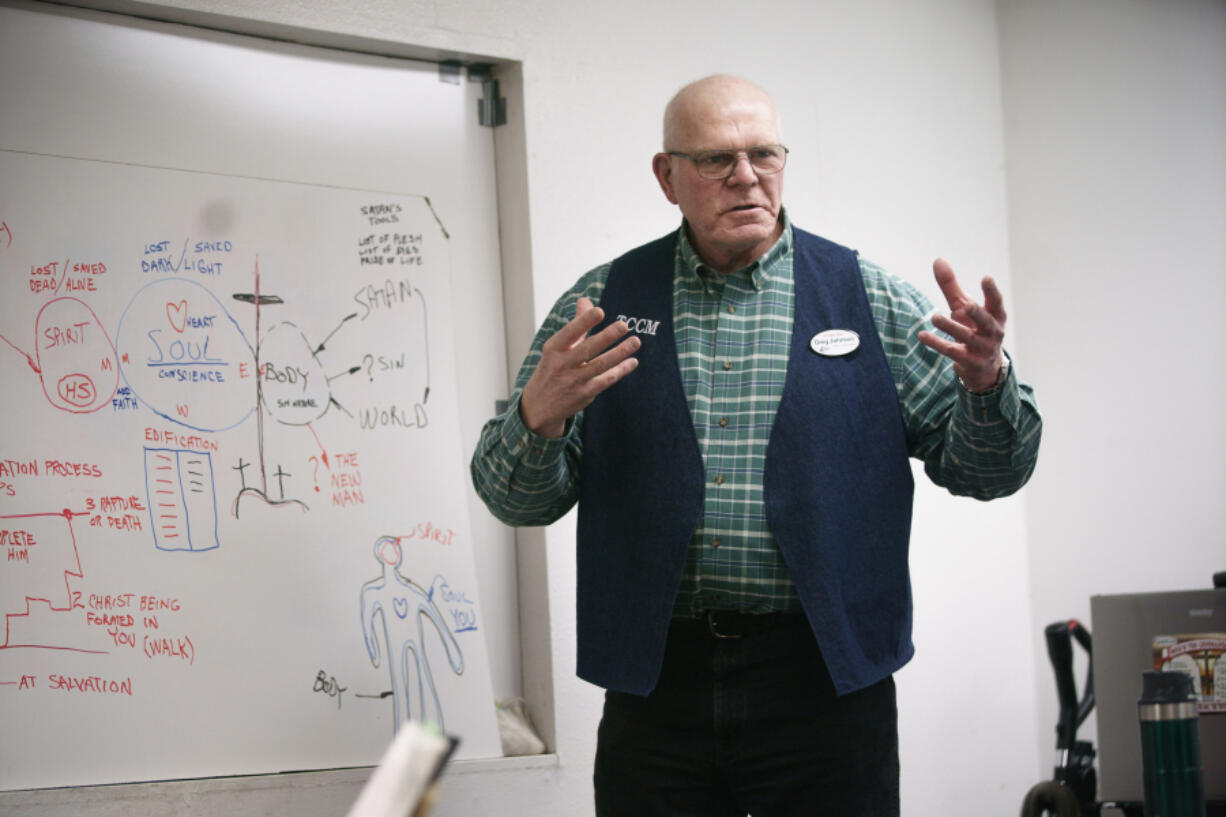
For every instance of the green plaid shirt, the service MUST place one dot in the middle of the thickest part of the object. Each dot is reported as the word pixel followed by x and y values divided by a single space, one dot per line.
pixel 733 338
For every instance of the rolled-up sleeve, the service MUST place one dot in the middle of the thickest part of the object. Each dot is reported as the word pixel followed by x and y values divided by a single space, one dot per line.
pixel 525 479
pixel 979 445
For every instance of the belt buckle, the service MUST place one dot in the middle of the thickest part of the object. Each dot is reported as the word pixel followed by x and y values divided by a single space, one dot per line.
pixel 714 630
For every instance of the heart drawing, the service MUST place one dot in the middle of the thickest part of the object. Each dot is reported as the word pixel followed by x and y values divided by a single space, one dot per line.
pixel 177 315
pixel 402 606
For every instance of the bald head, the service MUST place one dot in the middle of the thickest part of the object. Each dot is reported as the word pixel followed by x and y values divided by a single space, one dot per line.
pixel 732 219
pixel 701 104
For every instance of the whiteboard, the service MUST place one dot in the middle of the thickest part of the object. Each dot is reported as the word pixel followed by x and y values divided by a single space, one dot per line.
pixel 233 495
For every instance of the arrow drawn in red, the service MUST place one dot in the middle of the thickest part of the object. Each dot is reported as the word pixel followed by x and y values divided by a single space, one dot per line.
pixel 29 359
pixel 323 453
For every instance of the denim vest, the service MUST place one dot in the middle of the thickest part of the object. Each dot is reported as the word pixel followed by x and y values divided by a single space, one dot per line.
pixel 837 490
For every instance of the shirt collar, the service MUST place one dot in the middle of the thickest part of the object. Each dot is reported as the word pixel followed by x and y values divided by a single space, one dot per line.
pixel 758 272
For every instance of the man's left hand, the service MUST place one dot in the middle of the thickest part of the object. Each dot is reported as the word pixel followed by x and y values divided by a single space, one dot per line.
pixel 977 330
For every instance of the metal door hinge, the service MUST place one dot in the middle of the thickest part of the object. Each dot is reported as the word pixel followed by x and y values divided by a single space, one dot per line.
pixel 491 108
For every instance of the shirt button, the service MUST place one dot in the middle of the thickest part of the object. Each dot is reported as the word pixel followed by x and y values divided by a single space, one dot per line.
pixel 715 542
pixel 731 309
pixel 723 422
pixel 727 365
pixel 719 479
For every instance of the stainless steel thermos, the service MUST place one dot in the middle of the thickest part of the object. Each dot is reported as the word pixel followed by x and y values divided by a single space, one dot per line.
pixel 1170 746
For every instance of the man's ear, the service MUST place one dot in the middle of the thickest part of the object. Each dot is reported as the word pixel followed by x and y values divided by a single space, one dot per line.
pixel 662 166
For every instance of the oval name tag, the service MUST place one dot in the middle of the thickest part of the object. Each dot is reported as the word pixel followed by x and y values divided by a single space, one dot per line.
pixel 835 342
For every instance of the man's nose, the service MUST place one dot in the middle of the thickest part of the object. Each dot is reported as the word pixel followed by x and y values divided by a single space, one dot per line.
pixel 742 171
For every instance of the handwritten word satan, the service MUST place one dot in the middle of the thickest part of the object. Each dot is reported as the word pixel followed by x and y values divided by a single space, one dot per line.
pixel 389 294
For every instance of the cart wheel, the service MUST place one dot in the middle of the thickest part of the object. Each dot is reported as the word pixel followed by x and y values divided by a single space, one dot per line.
pixel 1050 797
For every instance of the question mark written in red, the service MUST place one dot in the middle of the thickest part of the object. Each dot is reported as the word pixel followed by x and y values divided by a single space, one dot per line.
pixel 315 473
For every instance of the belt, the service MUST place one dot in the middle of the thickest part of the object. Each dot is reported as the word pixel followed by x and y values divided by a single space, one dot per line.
pixel 735 624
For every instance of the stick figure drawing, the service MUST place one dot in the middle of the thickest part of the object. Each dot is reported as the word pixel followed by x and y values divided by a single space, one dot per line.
pixel 397 609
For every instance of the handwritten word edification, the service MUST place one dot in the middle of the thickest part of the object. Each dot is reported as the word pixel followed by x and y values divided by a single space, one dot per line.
pixel 173 438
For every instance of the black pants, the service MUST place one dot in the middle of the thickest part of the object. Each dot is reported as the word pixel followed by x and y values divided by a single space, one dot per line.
pixel 748 726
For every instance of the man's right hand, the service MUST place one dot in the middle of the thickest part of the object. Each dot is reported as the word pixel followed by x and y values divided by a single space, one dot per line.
pixel 574 368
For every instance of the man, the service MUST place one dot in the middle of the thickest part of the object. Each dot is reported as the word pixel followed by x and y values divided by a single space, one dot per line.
pixel 733 407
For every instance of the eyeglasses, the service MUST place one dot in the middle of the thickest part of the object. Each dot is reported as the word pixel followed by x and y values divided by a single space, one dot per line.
pixel 720 164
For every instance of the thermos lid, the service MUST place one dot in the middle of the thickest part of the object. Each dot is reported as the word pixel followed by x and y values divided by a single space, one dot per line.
pixel 1167 696
pixel 1166 687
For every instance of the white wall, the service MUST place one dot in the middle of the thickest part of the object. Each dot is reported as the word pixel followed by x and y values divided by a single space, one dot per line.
pixel 893 110
pixel 1116 134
